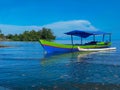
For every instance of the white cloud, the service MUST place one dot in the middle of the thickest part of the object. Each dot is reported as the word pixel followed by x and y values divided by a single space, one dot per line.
pixel 65 26
pixel 59 28
pixel 13 29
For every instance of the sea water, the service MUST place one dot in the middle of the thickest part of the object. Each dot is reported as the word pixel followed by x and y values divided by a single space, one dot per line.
pixel 25 66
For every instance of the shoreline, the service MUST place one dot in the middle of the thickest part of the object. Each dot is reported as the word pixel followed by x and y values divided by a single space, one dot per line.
pixel 3 46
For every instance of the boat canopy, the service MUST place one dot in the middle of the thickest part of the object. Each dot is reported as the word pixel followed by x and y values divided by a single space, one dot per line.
pixel 85 34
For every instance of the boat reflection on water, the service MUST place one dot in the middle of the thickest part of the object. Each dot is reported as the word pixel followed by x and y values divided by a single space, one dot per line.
pixel 81 70
pixel 51 58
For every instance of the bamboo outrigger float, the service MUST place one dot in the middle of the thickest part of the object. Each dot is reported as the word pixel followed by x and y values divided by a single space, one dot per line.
pixel 94 45
pixel 96 49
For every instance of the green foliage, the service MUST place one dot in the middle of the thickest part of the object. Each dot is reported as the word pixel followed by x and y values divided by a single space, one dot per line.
pixel 32 35
pixel 47 34
pixel 1 35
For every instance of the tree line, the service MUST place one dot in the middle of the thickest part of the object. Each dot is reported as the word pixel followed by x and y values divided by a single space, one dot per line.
pixel 44 33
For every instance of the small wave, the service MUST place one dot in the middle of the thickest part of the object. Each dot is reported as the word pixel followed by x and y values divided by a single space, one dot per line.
pixel 4 88
pixel 19 58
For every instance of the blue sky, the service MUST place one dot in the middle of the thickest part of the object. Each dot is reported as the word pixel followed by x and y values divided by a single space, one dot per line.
pixel 101 14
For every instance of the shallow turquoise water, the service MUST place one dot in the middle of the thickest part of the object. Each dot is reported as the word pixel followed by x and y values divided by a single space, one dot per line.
pixel 24 66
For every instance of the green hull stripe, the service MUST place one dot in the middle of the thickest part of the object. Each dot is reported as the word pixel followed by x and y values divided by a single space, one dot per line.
pixel 49 43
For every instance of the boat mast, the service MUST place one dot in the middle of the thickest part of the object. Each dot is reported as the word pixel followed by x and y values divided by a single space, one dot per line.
pixel 81 40
pixel 93 37
pixel 110 37
pixel 72 39
pixel 103 37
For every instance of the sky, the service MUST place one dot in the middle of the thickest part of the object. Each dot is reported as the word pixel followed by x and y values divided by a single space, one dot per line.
pixel 61 16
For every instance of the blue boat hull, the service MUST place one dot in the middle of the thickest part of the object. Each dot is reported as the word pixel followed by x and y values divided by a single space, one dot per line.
pixel 51 49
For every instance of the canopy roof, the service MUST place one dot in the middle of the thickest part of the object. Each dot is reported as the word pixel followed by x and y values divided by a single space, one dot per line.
pixel 85 34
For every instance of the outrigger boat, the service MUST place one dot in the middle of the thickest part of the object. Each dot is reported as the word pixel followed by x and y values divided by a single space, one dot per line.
pixel 94 45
